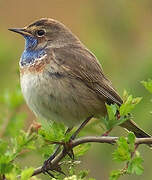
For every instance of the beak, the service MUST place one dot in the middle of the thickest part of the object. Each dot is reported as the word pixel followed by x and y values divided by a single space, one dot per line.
pixel 21 31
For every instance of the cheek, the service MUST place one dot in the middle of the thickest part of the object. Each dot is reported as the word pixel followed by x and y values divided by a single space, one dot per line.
pixel 41 43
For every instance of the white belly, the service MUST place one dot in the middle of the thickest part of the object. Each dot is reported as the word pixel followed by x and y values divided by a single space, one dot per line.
pixel 60 99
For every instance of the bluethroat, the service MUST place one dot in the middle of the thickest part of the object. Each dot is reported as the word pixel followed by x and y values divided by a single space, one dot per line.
pixel 61 80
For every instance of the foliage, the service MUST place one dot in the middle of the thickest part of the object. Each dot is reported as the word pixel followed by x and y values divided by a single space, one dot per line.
pixel 111 120
pixel 26 174
pixel 127 154
pixel 16 142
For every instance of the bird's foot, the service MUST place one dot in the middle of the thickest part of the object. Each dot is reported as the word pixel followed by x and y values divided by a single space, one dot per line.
pixel 48 169
pixel 68 149
pixel 47 166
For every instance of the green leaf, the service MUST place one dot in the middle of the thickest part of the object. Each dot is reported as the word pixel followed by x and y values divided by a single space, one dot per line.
pixel 24 141
pixel 82 174
pixel 128 105
pixel 122 153
pixel 131 141
pixel 6 165
pixel 111 109
pixel 111 120
pixel 58 131
pixel 27 173
pixel 131 138
pixel 11 176
pixel 68 135
pixel 47 149
pixel 135 166
pixel 122 119
pixel 148 85
pixel 125 95
pixel 52 131
pixel 115 174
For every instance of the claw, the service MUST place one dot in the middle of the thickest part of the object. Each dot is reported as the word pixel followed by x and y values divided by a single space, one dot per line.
pixel 45 166
pixel 62 173
pixel 50 174
pixel 71 154
pixel 45 170
pixel 58 169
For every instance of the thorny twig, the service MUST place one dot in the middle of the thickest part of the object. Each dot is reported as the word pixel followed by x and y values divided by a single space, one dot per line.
pixel 101 139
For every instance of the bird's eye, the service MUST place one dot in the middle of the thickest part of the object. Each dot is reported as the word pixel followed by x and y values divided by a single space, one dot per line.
pixel 40 32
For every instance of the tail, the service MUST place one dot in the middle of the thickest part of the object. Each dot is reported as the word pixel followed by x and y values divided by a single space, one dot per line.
pixel 132 126
pixel 139 133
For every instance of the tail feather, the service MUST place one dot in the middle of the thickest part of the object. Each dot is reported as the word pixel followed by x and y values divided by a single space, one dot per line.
pixel 132 126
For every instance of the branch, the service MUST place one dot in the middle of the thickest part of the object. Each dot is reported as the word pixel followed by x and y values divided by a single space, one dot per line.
pixel 101 139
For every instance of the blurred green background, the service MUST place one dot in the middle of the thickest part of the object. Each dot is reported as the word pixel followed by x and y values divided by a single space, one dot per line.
pixel 118 32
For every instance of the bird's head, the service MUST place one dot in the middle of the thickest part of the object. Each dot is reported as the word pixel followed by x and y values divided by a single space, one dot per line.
pixel 45 32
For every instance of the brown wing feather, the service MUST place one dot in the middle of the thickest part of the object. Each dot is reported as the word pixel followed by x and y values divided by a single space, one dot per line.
pixel 80 63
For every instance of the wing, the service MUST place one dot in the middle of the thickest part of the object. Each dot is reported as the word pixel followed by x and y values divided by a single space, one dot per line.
pixel 80 63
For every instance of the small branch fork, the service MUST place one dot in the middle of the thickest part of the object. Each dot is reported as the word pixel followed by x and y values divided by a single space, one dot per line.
pixel 55 163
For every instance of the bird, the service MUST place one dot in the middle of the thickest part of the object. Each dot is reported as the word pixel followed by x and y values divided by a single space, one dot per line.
pixel 63 81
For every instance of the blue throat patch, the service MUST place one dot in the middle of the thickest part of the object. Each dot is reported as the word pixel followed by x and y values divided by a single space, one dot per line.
pixel 30 54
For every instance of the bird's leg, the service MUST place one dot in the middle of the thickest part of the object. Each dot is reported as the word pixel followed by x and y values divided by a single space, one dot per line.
pixel 67 146
pixel 80 128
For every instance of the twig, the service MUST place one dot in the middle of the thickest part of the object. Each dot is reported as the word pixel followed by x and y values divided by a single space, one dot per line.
pixel 101 139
